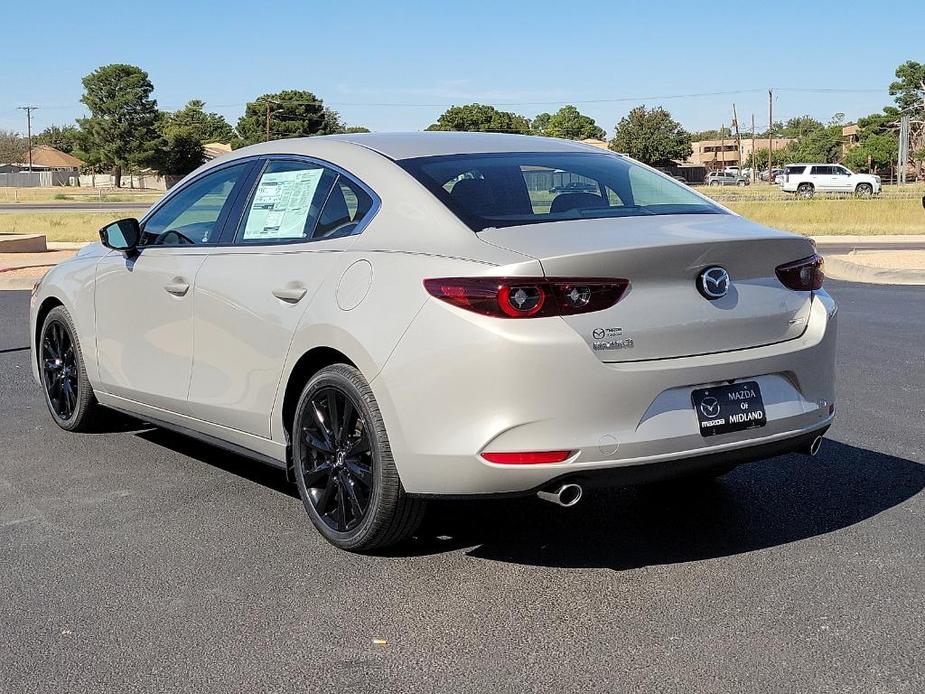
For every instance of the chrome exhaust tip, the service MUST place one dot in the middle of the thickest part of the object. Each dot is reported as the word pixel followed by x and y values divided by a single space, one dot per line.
pixel 814 447
pixel 566 495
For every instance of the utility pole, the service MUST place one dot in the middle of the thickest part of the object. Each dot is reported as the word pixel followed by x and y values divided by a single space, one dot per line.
pixel 268 121
pixel 29 110
pixel 735 122
pixel 754 156
pixel 770 136
pixel 722 145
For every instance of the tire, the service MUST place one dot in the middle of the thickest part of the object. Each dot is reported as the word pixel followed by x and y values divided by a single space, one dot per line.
pixel 741 184
pixel 714 183
pixel 68 393
pixel 806 190
pixel 864 190
pixel 346 477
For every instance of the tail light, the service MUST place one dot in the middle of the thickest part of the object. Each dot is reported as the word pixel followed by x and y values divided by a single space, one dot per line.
pixel 528 297
pixel 802 275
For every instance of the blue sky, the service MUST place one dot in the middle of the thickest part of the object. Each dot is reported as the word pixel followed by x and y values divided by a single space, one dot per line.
pixel 396 66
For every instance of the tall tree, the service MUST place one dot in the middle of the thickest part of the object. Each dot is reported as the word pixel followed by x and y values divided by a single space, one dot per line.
pixel 292 113
pixel 195 120
pixel 179 151
pixel 13 147
pixel 568 123
pixel 800 126
pixel 481 118
pixel 909 93
pixel 651 136
pixel 120 130
pixel 63 138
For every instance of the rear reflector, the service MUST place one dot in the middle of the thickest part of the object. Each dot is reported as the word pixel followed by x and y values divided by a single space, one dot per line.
pixel 528 297
pixel 533 458
pixel 802 275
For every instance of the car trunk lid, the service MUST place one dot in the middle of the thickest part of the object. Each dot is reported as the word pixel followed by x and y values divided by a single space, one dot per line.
pixel 663 314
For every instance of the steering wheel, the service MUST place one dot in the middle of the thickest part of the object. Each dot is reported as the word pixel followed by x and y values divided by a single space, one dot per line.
pixel 172 237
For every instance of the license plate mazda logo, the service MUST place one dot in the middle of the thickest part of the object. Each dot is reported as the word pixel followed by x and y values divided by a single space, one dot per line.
pixel 713 282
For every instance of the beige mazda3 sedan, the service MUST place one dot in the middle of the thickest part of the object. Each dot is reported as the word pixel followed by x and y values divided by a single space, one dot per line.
pixel 397 317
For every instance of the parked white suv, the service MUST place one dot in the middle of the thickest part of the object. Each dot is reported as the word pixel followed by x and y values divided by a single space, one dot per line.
pixel 808 179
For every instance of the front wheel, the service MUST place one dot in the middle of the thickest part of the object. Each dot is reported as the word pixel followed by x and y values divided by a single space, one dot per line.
pixel 343 464
pixel 68 393
pixel 864 190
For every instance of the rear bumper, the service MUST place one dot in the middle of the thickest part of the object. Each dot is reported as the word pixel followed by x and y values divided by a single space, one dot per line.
pixel 628 475
pixel 458 385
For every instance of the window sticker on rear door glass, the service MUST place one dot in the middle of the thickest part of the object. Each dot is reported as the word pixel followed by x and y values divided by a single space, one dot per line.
pixel 281 205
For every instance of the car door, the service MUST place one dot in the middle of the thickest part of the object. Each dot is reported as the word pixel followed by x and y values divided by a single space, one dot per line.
pixel 144 301
pixel 824 179
pixel 842 178
pixel 291 235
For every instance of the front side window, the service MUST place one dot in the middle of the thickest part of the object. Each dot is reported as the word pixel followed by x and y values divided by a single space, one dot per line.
pixel 508 189
pixel 191 215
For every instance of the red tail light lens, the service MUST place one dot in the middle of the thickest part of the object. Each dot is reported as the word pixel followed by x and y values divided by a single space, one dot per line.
pixel 532 458
pixel 802 275
pixel 528 297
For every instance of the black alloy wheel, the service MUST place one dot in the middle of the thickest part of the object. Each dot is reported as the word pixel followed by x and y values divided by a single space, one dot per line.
pixel 336 460
pixel 60 370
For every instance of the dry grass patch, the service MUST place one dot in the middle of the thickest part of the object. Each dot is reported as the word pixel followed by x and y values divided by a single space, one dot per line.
pixel 832 216
pixel 61 226
pixel 60 194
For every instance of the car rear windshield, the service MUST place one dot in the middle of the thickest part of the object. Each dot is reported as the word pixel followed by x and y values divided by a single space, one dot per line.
pixel 510 189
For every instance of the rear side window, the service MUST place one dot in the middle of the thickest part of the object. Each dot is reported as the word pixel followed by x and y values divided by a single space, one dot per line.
pixel 822 171
pixel 794 170
pixel 296 201
pixel 508 189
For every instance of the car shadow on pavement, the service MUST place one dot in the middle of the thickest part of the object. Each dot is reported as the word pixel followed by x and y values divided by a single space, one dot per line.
pixel 758 505
pixel 242 466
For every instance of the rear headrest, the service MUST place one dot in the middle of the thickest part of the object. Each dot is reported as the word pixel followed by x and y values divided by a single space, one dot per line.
pixel 576 201
pixel 474 195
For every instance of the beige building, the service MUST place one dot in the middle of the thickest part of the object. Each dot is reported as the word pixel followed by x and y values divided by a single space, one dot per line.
pixel 716 155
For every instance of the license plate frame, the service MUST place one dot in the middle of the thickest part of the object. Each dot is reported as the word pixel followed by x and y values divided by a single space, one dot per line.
pixel 729 408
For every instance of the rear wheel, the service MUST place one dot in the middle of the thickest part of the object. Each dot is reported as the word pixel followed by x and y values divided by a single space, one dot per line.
pixel 343 464
pixel 714 183
pixel 864 190
pixel 741 184
pixel 806 190
pixel 68 393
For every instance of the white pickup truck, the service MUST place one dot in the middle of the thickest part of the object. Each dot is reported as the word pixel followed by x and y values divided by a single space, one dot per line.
pixel 808 179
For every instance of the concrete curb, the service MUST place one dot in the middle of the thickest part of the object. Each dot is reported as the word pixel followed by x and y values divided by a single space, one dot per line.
pixel 838 268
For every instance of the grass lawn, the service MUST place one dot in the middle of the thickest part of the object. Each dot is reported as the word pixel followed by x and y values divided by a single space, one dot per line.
pixel 820 216
pixel 62 226
pixel 67 195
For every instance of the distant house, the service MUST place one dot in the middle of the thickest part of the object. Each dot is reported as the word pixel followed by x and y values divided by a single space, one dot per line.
pixel 215 149
pixel 45 158
pixel 594 142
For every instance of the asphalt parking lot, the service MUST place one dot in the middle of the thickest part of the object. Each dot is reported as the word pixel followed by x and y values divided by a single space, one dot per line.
pixel 140 561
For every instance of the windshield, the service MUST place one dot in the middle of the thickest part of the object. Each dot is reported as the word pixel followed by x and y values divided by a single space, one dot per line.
pixel 510 189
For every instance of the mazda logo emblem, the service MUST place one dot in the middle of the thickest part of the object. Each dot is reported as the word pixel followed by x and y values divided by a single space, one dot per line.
pixel 713 282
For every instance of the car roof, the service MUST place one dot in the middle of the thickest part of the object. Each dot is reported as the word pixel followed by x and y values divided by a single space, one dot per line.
pixel 410 145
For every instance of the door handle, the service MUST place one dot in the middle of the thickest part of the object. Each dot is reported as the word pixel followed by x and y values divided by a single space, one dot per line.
pixel 177 288
pixel 291 295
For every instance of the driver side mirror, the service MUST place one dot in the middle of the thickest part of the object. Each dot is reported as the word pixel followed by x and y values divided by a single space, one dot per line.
pixel 122 235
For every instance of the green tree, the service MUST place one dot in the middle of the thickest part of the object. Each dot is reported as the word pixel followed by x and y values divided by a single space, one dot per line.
pixel 724 133
pixel 120 130
pixel 759 158
pixel 873 152
pixel 293 113
pixel 63 138
pixel 800 126
pixel 651 136
pixel 194 119
pixel 356 129
pixel 568 123
pixel 179 152
pixel 481 118
pixel 13 147
pixel 909 86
